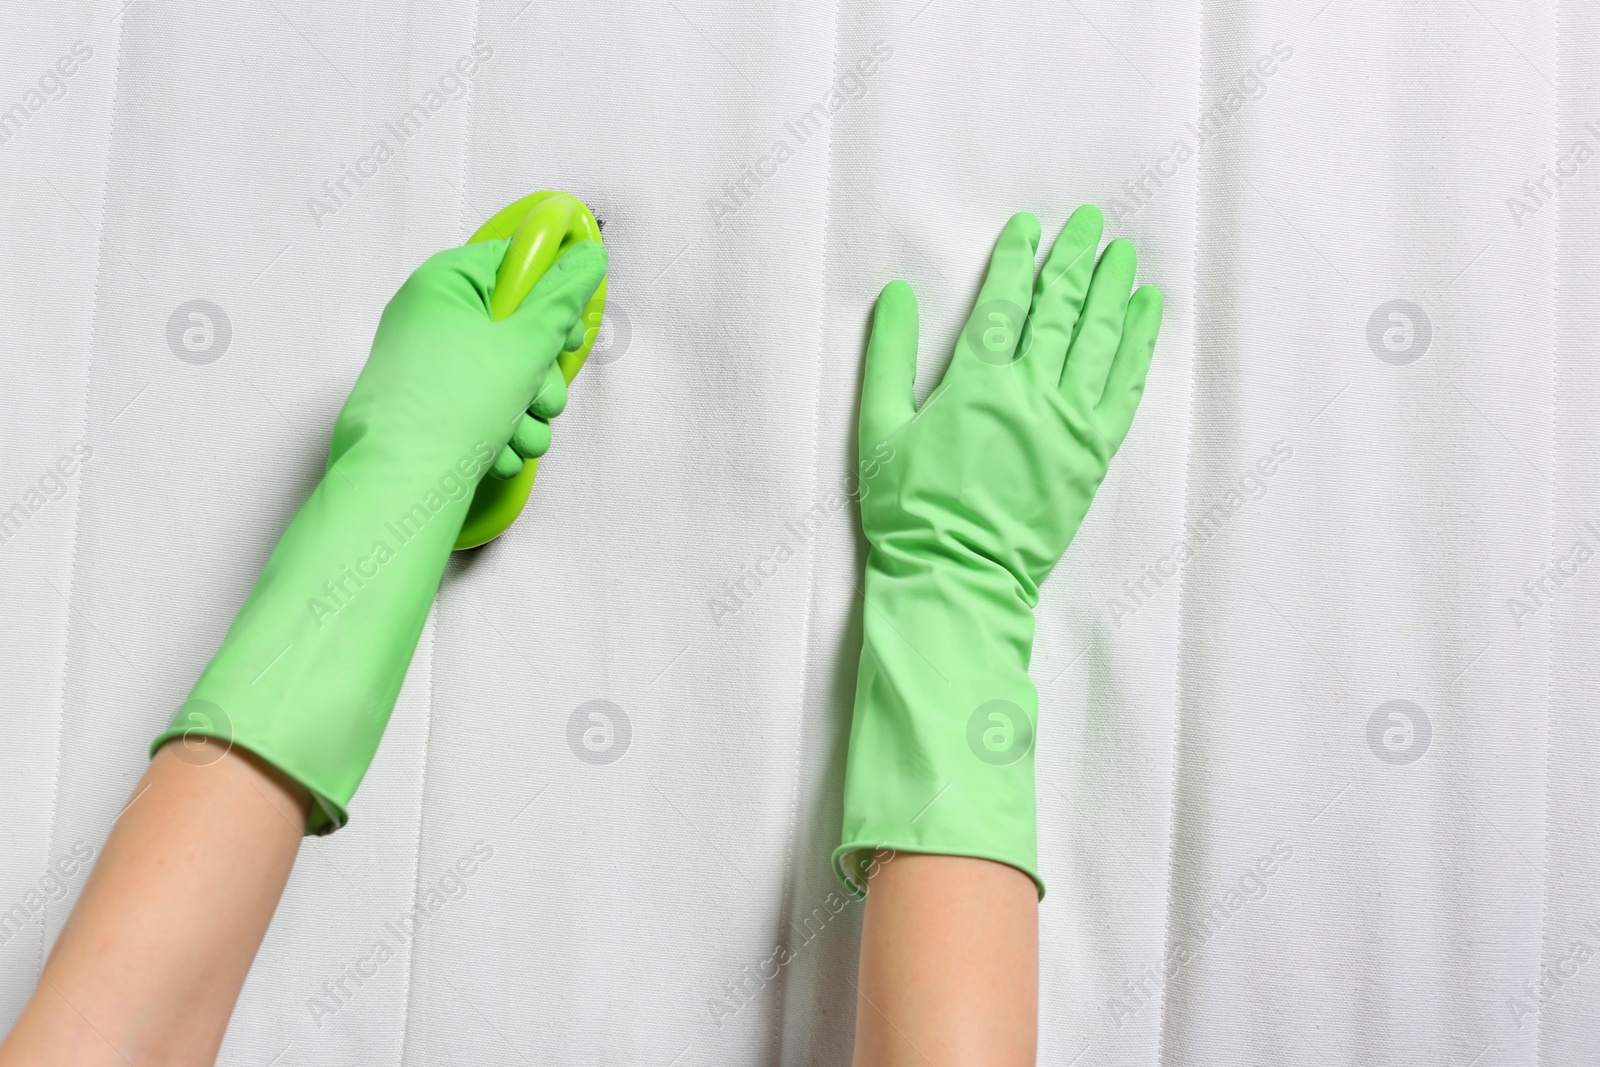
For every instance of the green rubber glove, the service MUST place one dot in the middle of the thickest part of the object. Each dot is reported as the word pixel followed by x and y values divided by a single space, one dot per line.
pixel 530 439
pixel 967 504
pixel 308 673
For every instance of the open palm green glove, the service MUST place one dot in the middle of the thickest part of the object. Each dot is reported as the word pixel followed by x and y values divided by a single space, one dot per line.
pixel 311 667
pixel 967 504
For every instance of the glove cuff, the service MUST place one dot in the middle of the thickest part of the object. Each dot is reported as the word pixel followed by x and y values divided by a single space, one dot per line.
pixel 310 670
pixel 941 744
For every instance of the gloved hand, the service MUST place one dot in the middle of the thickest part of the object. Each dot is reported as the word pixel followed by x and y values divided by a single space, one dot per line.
pixel 967 504
pixel 530 438
pixel 311 667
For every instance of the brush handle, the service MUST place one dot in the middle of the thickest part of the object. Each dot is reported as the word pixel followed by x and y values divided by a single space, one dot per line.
pixel 540 227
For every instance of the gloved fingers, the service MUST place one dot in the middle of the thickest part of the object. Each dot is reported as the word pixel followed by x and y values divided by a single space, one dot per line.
pixel 887 398
pixel 531 437
pixel 478 262
pixel 469 267
pixel 1125 382
pixel 551 399
pixel 993 332
pixel 1099 329
pixel 546 315
pixel 507 464
pixel 1058 294
pixel 575 336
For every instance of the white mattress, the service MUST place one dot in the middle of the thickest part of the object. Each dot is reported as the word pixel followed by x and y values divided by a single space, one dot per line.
pixel 1434 885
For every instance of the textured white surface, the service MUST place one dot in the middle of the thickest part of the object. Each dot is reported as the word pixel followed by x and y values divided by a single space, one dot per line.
pixel 1195 718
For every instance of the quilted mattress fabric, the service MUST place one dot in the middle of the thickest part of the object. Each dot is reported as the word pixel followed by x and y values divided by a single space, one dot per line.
pixel 1316 763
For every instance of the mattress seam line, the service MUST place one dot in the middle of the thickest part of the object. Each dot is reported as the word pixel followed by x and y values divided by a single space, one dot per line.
pixel 77 511
pixel 438 615
pixel 792 873
pixel 1164 1014
pixel 1555 516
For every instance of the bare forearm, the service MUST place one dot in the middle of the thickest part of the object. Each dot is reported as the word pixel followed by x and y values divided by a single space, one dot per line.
pixel 949 965
pixel 153 956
